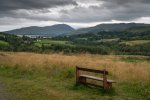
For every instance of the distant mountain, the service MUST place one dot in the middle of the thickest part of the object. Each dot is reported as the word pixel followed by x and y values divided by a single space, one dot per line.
pixel 108 27
pixel 50 31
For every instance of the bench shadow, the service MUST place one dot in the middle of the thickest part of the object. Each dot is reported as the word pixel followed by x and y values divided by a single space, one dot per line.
pixel 96 89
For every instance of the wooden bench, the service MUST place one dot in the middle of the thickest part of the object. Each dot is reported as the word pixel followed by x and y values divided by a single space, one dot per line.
pixel 82 78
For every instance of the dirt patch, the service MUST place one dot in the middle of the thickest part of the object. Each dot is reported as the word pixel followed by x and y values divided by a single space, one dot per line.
pixel 5 94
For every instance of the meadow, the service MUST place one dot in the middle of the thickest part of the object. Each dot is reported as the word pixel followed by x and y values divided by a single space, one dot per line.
pixel 136 42
pixel 49 42
pixel 3 43
pixel 32 76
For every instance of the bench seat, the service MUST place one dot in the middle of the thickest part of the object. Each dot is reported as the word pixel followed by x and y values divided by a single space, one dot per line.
pixel 97 78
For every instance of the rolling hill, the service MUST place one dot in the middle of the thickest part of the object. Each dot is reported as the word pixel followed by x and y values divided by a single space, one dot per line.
pixel 142 29
pixel 108 27
pixel 50 31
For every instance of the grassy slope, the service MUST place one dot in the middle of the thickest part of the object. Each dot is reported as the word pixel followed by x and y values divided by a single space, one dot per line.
pixel 139 29
pixel 136 42
pixel 49 42
pixel 51 76
pixel 3 43
pixel 108 40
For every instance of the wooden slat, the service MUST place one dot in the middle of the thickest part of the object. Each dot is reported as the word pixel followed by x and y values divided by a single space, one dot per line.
pixel 93 70
pixel 96 78
pixel 111 81
pixel 92 77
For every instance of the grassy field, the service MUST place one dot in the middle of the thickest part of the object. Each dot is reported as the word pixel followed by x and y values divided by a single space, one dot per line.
pixel 108 40
pixel 3 43
pixel 49 42
pixel 136 42
pixel 32 76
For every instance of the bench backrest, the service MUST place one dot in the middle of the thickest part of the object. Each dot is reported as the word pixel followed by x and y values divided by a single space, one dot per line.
pixel 92 70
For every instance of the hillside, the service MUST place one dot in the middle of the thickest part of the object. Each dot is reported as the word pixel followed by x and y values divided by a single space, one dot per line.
pixel 127 42
pixel 133 41
pixel 142 29
pixel 11 42
pixel 50 31
pixel 131 33
pixel 108 27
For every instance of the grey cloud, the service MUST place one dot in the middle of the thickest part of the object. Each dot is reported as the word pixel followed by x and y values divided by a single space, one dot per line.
pixel 121 2
pixel 32 4
pixel 9 8
pixel 123 10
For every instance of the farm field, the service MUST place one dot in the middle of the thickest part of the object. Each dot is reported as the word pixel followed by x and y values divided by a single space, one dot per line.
pixel 32 76
pixel 41 42
pixel 136 42
pixel 3 43
pixel 108 40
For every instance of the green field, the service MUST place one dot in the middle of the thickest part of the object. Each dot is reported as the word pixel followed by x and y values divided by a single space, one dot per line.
pixel 108 40
pixel 49 42
pixel 1 35
pixel 136 42
pixel 3 43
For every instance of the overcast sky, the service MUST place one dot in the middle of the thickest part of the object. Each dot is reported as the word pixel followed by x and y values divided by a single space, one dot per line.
pixel 76 13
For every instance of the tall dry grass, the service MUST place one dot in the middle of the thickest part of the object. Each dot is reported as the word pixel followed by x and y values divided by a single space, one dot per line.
pixel 119 70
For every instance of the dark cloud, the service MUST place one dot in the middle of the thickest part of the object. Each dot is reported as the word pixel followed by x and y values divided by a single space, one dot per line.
pixel 108 10
pixel 32 4
pixel 123 10
pixel 126 1
pixel 127 9
pixel 10 8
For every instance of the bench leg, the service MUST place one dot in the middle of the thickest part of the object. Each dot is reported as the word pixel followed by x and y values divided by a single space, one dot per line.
pixel 109 85
pixel 82 80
